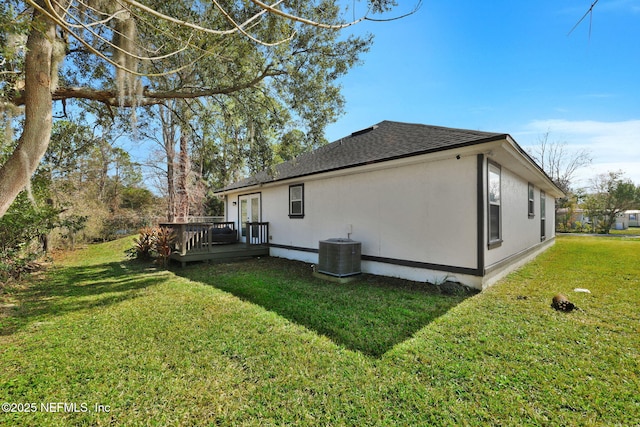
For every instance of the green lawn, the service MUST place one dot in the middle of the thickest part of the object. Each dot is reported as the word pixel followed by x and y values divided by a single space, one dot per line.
pixel 631 231
pixel 263 343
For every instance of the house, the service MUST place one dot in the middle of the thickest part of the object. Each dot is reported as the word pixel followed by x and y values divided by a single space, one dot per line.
pixel 627 219
pixel 633 217
pixel 427 203
pixel 574 219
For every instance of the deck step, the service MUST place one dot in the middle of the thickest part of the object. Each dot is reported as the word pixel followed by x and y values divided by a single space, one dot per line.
pixel 222 252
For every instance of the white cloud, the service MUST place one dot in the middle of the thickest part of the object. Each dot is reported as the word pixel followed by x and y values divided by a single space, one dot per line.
pixel 613 145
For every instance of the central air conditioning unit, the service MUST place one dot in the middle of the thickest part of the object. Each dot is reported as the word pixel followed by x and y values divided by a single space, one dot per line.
pixel 339 257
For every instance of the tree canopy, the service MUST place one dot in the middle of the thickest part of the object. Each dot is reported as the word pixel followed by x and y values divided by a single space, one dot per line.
pixel 127 53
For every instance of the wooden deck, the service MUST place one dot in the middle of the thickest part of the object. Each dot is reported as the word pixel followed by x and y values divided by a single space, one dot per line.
pixel 208 241
pixel 222 252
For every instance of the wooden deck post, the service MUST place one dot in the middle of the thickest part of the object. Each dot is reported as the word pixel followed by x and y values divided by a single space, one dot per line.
pixel 182 232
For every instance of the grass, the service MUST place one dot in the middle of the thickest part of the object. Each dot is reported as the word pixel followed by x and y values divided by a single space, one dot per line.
pixel 264 343
pixel 370 315
pixel 631 231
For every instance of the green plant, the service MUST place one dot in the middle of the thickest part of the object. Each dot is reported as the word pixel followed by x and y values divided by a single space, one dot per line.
pixel 144 244
pixel 164 238
pixel 22 230
pixel 71 226
pixel 153 242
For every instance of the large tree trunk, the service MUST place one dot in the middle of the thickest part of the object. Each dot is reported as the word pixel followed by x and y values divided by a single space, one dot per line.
pixel 183 179
pixel 168 141
pixel 171 188
pixel 16 173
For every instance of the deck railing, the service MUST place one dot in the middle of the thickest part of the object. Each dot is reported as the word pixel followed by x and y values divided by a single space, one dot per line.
pixel 197 236
pixel 257 233
pixel 193 237
pixel 207 219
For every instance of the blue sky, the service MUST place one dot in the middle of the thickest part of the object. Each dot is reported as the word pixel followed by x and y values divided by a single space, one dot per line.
pixel 508 66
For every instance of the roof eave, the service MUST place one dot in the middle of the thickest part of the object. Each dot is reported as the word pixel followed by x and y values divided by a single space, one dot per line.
pixel 492 138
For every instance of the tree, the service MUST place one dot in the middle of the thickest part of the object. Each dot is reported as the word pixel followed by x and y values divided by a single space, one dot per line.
pixel 39 66
pixel 558 162
pixel 561 165
pixel 235 137
pixel 291 145
pixel 177 181
pixel 612 195
pixel 71 141
pixel 90 182
pixel 162 126
pixel 23 224
pixel 224 47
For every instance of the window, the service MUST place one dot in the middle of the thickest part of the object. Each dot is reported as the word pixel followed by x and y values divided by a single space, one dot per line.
pixel 493 182
pixel 543 216
pixel 531 203
pixel 296 201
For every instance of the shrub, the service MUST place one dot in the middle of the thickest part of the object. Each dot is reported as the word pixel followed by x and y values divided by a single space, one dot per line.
pixel 23 230
pixel 164 240
pixel 153 242
pixel 144 244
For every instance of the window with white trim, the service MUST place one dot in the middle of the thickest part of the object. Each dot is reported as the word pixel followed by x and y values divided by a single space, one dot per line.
pixel 296 201
pixel 531 202
pixel 494 202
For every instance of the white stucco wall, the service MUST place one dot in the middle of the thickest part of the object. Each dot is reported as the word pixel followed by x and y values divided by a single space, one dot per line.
pixel 419 211
pixel 422 212
pixel 422 209
pixel 519 231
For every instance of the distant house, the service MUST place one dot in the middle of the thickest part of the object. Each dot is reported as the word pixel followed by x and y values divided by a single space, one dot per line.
pixel 633 218
pixel 626 219
pixel 574 219
pixel 427 203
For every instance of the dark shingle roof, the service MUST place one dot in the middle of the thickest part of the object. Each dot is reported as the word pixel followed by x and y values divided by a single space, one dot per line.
pixel 382 142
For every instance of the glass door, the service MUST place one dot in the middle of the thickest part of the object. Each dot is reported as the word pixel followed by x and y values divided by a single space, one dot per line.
pixel 249 212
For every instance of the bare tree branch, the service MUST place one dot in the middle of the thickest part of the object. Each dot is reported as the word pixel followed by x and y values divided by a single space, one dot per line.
pixel 558 162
